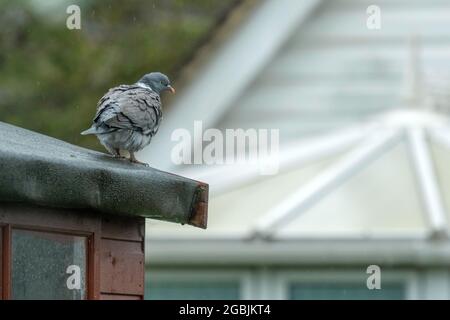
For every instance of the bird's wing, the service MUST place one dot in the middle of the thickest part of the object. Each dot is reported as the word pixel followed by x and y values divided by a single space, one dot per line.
pixel 130 107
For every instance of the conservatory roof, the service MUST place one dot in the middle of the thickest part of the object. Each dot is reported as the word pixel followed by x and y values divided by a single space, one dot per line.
pixel 383 179
pixel 42 170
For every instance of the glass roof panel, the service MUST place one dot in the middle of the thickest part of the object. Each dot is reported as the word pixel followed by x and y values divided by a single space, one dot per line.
pixel 381 199
pixel 236 212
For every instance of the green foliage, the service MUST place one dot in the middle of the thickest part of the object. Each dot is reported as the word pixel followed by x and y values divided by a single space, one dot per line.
pixel 51 77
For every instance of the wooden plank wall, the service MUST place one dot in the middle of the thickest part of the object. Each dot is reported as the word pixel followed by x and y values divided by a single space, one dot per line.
pixel 122 258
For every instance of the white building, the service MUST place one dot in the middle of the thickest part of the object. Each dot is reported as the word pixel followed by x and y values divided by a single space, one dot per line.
pixel 364 173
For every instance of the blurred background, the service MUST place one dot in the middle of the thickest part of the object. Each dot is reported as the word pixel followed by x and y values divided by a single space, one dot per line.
pixel 52 77
pixel 362 115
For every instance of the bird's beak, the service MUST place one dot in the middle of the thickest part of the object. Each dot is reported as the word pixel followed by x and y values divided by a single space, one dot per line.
pixel 171 89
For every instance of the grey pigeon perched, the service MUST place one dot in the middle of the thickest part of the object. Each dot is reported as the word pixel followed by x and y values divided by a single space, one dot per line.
pixel 128 116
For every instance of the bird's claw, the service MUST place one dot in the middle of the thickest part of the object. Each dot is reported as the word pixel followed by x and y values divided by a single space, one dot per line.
pixel 119 157
pixel 139 162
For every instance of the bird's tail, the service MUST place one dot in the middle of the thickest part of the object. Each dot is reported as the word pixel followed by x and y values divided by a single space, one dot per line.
pixel 91 130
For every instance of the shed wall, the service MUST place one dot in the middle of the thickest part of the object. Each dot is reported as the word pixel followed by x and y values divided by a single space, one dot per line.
pixel 115 247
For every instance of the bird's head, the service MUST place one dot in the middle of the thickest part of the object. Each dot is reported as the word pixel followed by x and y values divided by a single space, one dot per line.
pixel 157 81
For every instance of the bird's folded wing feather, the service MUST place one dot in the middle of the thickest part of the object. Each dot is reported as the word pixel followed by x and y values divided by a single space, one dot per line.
pixel 130 107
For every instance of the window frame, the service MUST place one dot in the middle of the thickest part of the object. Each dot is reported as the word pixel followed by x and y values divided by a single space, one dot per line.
pixel 263 283
pixel 241 277
pixel 285 278
pixel 60 221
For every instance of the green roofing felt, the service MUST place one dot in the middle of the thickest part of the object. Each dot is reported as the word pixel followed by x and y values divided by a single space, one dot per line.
pixel 38 169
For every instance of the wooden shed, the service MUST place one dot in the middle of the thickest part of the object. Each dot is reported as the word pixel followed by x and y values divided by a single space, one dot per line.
pixel 72 220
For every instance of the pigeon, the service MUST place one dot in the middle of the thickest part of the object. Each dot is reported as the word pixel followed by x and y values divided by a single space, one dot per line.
pixel 128 116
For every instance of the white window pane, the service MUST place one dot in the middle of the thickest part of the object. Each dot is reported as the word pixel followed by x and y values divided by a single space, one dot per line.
pixel 345 291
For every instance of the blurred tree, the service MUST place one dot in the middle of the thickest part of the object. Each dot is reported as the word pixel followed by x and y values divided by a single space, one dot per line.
pixel 51 77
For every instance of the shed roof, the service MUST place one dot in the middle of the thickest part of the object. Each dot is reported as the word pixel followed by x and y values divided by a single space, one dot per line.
pixel 38 169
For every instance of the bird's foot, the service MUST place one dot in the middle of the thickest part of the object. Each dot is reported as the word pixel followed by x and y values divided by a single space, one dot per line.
pixel 116 153
pixel 118 156
pixel 138 162
pixel 134 160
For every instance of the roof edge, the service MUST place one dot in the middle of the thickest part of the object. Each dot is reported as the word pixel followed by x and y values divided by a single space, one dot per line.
pixel 40 170
pixel 199 212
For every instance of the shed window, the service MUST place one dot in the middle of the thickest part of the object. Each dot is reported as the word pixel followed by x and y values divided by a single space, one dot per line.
pixel 345 291
pixel 48 265
pixel 190 290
